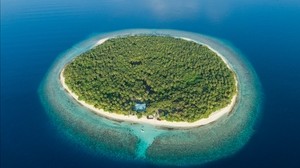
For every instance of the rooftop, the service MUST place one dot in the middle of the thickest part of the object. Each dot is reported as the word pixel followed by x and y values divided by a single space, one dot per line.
pixel 140 107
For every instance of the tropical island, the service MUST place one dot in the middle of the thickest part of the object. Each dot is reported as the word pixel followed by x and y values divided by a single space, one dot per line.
pixel 161 80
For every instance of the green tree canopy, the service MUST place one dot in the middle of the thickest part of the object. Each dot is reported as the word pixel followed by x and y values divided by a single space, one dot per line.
pixel 179 79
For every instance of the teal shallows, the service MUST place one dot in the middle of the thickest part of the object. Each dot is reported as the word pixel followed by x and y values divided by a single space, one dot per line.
pixel 122 140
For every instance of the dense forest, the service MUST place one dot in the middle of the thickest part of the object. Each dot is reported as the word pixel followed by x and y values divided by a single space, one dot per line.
pixel 178 80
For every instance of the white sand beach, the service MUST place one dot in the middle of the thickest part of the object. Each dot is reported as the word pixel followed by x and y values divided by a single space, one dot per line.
pixel 162 123
pixel 101 41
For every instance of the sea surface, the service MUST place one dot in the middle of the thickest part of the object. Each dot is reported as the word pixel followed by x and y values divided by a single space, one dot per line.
pixel 34 33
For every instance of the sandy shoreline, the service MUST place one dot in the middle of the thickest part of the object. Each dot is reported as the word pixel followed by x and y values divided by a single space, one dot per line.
pixel 132 118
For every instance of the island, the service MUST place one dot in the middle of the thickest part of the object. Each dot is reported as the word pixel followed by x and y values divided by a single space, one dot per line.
pixel 165 97
pixel 160 80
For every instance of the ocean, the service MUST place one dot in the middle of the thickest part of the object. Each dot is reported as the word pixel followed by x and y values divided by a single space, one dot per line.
pixel 34 34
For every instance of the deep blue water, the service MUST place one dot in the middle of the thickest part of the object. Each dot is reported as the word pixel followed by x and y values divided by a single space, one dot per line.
pixel 35 32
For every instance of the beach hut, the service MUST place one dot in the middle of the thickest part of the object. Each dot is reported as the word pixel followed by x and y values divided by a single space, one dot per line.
pixel 150 117
pixel 139 107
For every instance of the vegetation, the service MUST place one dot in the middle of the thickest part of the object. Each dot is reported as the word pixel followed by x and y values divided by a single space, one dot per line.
pixel 179 80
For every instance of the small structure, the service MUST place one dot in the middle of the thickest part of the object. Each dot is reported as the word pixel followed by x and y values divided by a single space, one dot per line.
pixel 139 107
pixel 150 117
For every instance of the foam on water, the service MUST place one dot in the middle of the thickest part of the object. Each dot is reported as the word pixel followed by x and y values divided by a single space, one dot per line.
pixel 123 140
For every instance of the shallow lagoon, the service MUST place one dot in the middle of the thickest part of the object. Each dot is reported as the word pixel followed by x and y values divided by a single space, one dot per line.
pixel 157 145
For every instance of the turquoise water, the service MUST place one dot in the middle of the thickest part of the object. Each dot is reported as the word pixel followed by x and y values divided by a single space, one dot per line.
pixel 34 33
pixel 126 141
